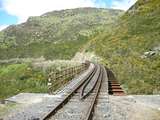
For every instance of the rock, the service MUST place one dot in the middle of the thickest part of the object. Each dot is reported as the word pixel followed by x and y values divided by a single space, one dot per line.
pixel 151 52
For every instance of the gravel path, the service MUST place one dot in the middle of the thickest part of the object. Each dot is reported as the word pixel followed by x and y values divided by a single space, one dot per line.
pixel 132 108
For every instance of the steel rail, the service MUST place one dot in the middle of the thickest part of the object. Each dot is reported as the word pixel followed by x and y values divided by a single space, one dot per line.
pixel 93 102
pixel 95 78
pixel 68 97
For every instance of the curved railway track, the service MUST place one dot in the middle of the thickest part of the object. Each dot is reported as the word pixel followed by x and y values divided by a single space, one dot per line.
pixel 83 98
pixel 81 102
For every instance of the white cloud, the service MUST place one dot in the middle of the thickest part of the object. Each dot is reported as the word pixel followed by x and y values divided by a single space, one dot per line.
pixel 25 8
pixel 122 4
pixel 3 27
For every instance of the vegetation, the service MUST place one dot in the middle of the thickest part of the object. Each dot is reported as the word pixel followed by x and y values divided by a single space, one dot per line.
pixel 54 35
pixel 30 75
pixel 49 50
pixel 60 34
pixel 137 32
pixel 16 78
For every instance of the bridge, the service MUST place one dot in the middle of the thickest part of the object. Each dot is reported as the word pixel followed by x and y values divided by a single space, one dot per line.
pixel 92 94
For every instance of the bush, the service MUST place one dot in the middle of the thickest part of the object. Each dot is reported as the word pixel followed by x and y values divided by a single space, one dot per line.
pixel 16 78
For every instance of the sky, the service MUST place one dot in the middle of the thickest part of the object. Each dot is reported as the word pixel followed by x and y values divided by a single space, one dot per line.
pixel 18 11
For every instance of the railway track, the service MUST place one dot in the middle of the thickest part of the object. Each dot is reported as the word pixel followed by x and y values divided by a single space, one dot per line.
pixel 83 98
pixel 88 97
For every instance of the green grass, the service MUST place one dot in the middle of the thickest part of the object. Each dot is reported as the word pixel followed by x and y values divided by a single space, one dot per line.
pixel 55 35
pixel 16 78
pixel 49 50
pixel 26 77
pixel 137 32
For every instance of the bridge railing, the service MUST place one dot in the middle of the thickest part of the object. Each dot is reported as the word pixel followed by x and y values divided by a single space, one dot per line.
pixel 59 78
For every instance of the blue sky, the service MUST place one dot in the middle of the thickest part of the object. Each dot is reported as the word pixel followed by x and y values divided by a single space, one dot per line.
pixel 103 3
pixel 18 11
pixel 6 18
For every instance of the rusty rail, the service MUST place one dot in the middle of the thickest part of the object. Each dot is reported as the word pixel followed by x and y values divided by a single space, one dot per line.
pixel 99 77
pixel 68 97
pixel 97 74
pixel 94 76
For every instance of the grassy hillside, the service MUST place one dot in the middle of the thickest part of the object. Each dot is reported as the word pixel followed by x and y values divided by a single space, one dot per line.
pixel 30 75
pixel 132 48
pixel 16 78
pixel 55 35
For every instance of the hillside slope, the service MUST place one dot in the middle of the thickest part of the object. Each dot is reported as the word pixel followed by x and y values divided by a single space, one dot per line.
pixel 55 35
pixel 132 48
